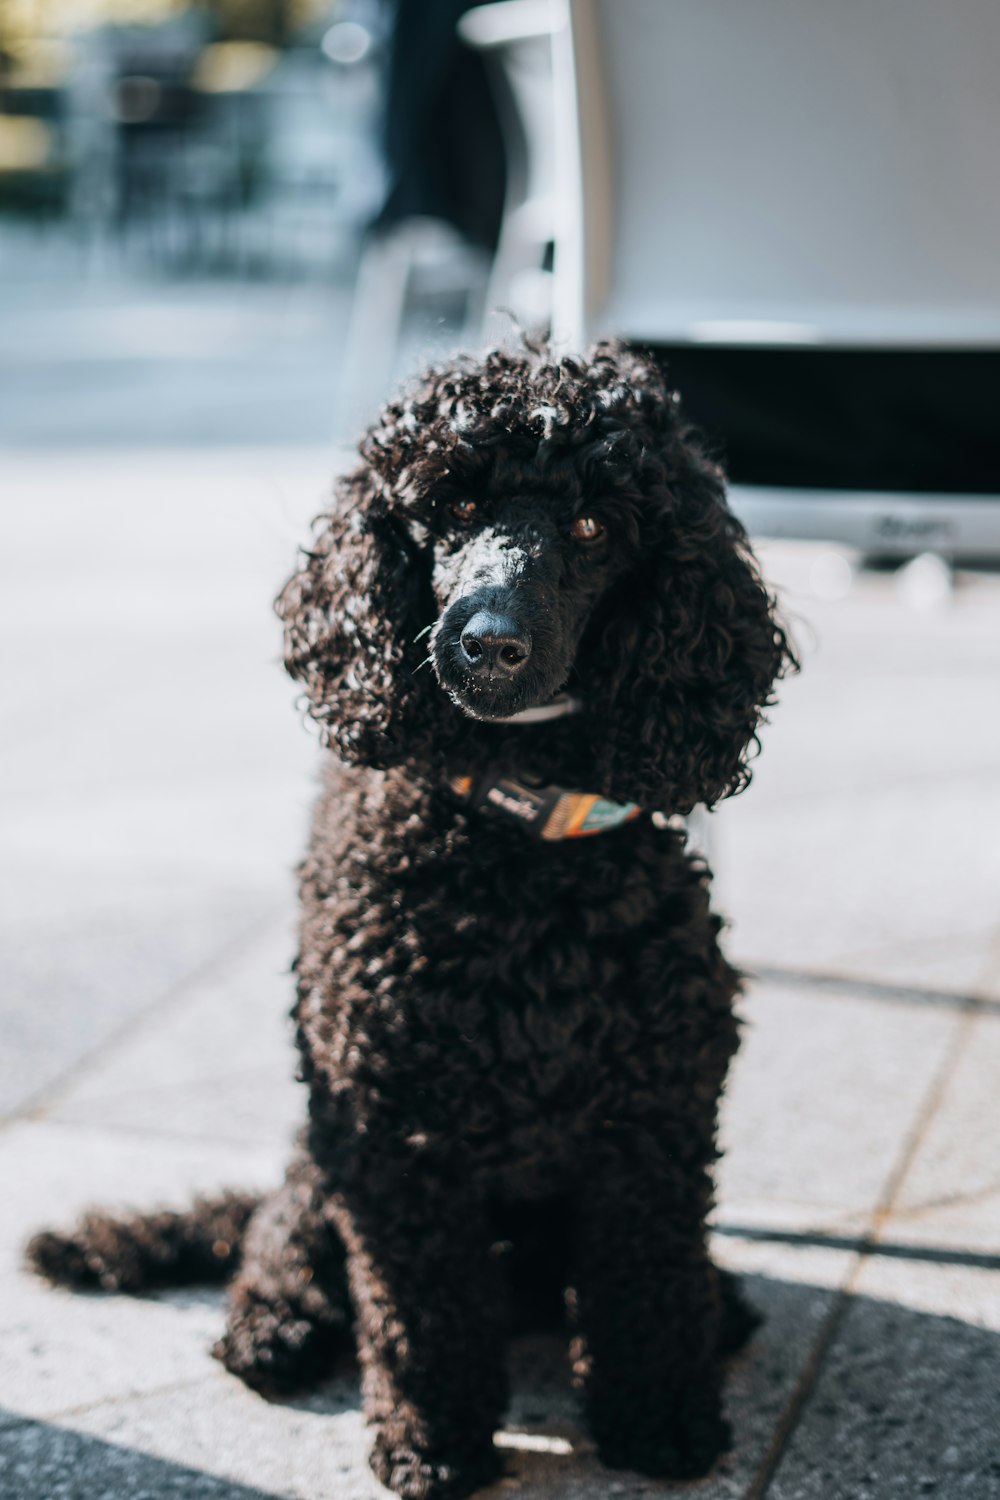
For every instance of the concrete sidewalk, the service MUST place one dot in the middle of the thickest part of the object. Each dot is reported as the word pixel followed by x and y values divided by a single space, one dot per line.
pixel 154 796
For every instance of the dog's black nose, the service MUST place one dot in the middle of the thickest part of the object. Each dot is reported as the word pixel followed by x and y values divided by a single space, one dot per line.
pixel 494 643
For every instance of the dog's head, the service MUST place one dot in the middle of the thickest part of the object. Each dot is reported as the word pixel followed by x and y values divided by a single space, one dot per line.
pixel 523 527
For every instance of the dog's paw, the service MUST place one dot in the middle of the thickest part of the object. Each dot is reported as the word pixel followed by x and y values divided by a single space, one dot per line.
pixel 684 1445
pixel 273 1349
pixel 417 1476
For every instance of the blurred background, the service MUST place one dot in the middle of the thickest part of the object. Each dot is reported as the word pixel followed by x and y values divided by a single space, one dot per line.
pixel 226 230
pixel 184 192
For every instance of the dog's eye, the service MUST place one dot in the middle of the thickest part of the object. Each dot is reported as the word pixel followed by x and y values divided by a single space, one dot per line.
pixel 464 510
pixel 587 529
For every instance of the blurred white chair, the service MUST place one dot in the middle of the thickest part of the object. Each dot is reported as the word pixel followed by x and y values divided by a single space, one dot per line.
pixel 795 202
pixel 515 37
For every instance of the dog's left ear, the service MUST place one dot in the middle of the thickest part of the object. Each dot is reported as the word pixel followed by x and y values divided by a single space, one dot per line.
pixel 690 650
pixel 351 614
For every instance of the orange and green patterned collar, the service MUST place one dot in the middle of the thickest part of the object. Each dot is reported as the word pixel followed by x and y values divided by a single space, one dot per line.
pixel 546 812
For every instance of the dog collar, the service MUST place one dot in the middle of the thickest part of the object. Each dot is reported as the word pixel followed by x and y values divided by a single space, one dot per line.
pixel 556 708
pixel 546 812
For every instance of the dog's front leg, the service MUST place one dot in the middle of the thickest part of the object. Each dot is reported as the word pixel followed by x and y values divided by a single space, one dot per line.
pixel 289 1312
pixel 647 1305
pixel 429 1324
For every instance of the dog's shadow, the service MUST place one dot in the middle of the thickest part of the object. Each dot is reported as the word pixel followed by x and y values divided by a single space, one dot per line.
pixel 896 1390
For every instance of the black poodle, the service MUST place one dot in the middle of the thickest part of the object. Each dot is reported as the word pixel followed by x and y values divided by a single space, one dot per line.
pixel 532 633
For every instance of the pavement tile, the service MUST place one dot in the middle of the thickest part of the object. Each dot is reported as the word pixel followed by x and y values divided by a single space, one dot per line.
pixel 218 1063
pixel 968 1294
pixel 951 1193
pixel 148 856
pixel 59 1350
pixel 865 843
pixel 819 1099
pixel 261 1106
pixel 195 809
pixel 804 895
pixel 842 728
pixel 80 890
pixel 156 782
pixel 66 999
pixel 906 1401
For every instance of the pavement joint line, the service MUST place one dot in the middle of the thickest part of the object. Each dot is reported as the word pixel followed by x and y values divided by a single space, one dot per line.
pixel 872 989
pixel 54 1417
pixel 924 1115
pixel 150 1133
pixel 862 1245
pixel 804 1387
pixel 932 1102
pixel 44 1099
pixel 949 1200
pixel 186 1085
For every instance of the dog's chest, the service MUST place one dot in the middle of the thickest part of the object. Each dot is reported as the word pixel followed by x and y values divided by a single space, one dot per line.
pixel 522 986
pixel 501 992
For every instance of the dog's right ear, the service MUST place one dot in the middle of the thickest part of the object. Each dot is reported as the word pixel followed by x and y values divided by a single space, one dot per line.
pixel 351 613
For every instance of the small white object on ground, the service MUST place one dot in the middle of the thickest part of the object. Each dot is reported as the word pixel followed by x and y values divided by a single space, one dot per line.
pixel 831 575
pixel 927 583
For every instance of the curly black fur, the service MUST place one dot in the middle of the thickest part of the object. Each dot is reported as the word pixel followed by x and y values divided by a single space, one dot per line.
pixel 514 1049
pixel 139 1252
